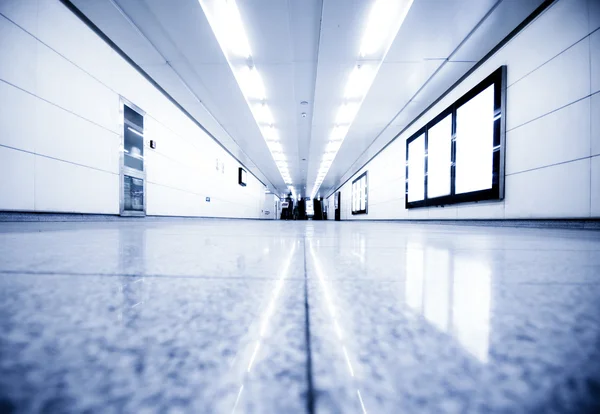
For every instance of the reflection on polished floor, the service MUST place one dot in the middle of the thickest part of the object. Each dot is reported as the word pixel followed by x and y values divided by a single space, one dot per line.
pixel 226 316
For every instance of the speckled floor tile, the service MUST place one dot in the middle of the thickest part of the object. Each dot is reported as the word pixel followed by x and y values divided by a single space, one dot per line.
pixel 226 316
pixel 446 329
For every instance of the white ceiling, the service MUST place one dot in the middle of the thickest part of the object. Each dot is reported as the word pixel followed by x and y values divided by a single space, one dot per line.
pixel 304 51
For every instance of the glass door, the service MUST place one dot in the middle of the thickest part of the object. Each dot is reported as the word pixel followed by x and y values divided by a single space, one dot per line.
pixel 133 172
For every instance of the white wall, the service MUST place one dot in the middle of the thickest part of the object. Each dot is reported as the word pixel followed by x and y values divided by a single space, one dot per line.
pixel 60 86
pixel 270 209
pixel 553 127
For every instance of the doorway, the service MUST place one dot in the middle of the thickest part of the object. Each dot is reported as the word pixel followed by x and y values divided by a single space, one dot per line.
pixel 132 166
pixel 338 205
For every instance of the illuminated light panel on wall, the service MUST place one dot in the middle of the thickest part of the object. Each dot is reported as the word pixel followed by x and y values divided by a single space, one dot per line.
pixel 227 24
pixel 383 23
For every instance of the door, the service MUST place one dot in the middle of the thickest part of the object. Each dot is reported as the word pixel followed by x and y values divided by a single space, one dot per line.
pixel 133 171
pixel 338 205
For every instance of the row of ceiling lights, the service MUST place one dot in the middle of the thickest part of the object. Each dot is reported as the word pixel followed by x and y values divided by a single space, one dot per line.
pixel 385 19
pixel 225 20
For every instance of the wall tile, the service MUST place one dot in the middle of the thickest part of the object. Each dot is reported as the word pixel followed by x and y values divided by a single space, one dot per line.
pixel 18 118
pixel 18 56
pixel 560 136
pixel 595 117
pixel 64 84
pixel 595 63
pixel 546 89
pixel 445 213
pixel 16 180
pixel 23 12
pixel 483 210
pixel 594 14
pixel 81 189
pixel 557 29
pixel 560 191
pixel 595 187
pixel 63 135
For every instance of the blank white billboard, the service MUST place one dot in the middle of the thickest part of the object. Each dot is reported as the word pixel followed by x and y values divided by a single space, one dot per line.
pixel 416 169
pixel 475 143
pixel 439 153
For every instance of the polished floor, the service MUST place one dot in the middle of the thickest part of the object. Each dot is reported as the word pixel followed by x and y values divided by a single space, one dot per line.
pixel 227 316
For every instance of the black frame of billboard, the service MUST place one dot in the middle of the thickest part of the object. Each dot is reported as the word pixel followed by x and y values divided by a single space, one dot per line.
pixel 498 80
pixel 241 172
pixel 366 209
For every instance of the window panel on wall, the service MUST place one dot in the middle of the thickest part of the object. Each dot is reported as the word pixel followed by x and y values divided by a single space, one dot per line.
pixel 439 158
pixel 475 143
pixel 364 193
pixel 359 195
pixel 458 156
pixel 416 169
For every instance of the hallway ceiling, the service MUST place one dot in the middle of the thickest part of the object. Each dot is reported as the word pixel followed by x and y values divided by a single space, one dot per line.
pixel 305 50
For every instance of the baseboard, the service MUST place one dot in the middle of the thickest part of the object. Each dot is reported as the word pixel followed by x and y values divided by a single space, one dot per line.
pixel 9 216
pixel 575 224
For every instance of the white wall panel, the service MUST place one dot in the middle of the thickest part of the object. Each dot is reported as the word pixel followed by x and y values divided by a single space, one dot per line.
pixel 18 59
pixel 17 118
pixel 67 86
pixel 560 136
pixel 172 202
pixel 561 81
pixel 16 180
pixel 559 191
pixel 483 210
pixel 63 135
pixel 594 11
pixel 64 187
pixel 595 63
pixel 595 186
pixel 595 118
pixel 22 12
pixel 73 41
pixel 564 24
pixel 443 213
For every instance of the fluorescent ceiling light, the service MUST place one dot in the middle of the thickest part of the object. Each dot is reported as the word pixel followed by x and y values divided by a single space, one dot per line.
pixel 270 133
pixel 333 146
pixel 228 26
pixel 338 133
pixel 359 82
pixel 262 114
pixel 274 146
pixel 385 19
pixel 278 156
pixel 346 113
pixel 251 84
pixel 329 156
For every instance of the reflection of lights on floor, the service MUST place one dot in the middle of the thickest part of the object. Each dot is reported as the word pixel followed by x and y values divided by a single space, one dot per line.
pixel 332 313
pixel 362 404
pixel 237 399
pixel 453 293
pixel 253 355
pixel 348 360
pixel 266 318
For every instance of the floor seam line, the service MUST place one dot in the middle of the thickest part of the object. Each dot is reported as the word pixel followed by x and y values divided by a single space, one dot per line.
pixel 310 400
